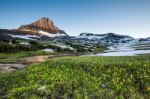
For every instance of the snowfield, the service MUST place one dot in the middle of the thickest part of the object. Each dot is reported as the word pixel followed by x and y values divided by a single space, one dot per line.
pixel 91 37
pixel 48 50
pixel 31 37
pixel 134 47
pixel 125 53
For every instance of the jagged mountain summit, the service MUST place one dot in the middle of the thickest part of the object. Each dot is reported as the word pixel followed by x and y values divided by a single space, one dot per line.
pixel 43 28
pixel 43 24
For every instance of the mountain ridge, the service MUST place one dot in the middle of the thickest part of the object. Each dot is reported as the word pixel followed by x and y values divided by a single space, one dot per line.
pixel 45 29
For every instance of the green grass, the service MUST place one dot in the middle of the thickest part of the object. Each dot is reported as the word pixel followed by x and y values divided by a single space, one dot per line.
pixel 81 78
pixel 13 57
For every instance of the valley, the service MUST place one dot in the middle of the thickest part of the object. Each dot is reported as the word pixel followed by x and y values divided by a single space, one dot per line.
pixel 39 60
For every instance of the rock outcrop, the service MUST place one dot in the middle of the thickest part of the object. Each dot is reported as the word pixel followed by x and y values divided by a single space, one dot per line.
pixel 43 24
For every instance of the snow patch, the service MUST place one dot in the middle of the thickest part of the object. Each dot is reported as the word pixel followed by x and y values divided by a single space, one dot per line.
pixel 91 37
pixel 48 50
pixel 127 53
pixel 24 36
pixel 65 46
pixel 24 43
pixel 51 35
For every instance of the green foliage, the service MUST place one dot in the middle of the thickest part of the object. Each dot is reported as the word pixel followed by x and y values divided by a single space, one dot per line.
pixel 87 48
pixel 14 46
pixel 81 78
pixel 15 42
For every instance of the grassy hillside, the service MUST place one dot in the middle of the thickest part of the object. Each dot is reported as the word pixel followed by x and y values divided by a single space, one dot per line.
pixel 81 78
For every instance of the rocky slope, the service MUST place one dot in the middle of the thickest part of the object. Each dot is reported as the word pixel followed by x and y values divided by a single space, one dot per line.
pixel 43 24
pixel 43 28
pixel 108 38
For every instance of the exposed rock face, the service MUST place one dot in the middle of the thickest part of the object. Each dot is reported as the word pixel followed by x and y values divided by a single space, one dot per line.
pixel 43 24
pixel 42 29
pixel 109 38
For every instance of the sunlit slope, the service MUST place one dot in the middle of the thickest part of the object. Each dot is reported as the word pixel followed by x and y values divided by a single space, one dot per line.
pixel 81 77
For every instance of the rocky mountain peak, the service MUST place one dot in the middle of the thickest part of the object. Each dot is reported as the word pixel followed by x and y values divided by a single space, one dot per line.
pixel 43 24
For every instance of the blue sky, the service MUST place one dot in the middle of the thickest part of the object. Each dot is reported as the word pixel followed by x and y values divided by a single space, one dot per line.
pixel 127 17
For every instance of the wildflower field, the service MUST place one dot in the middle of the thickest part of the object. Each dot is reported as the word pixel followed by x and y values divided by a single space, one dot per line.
pixel 80 78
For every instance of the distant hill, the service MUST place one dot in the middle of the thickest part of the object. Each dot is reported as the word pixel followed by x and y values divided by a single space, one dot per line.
pixel 108 38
